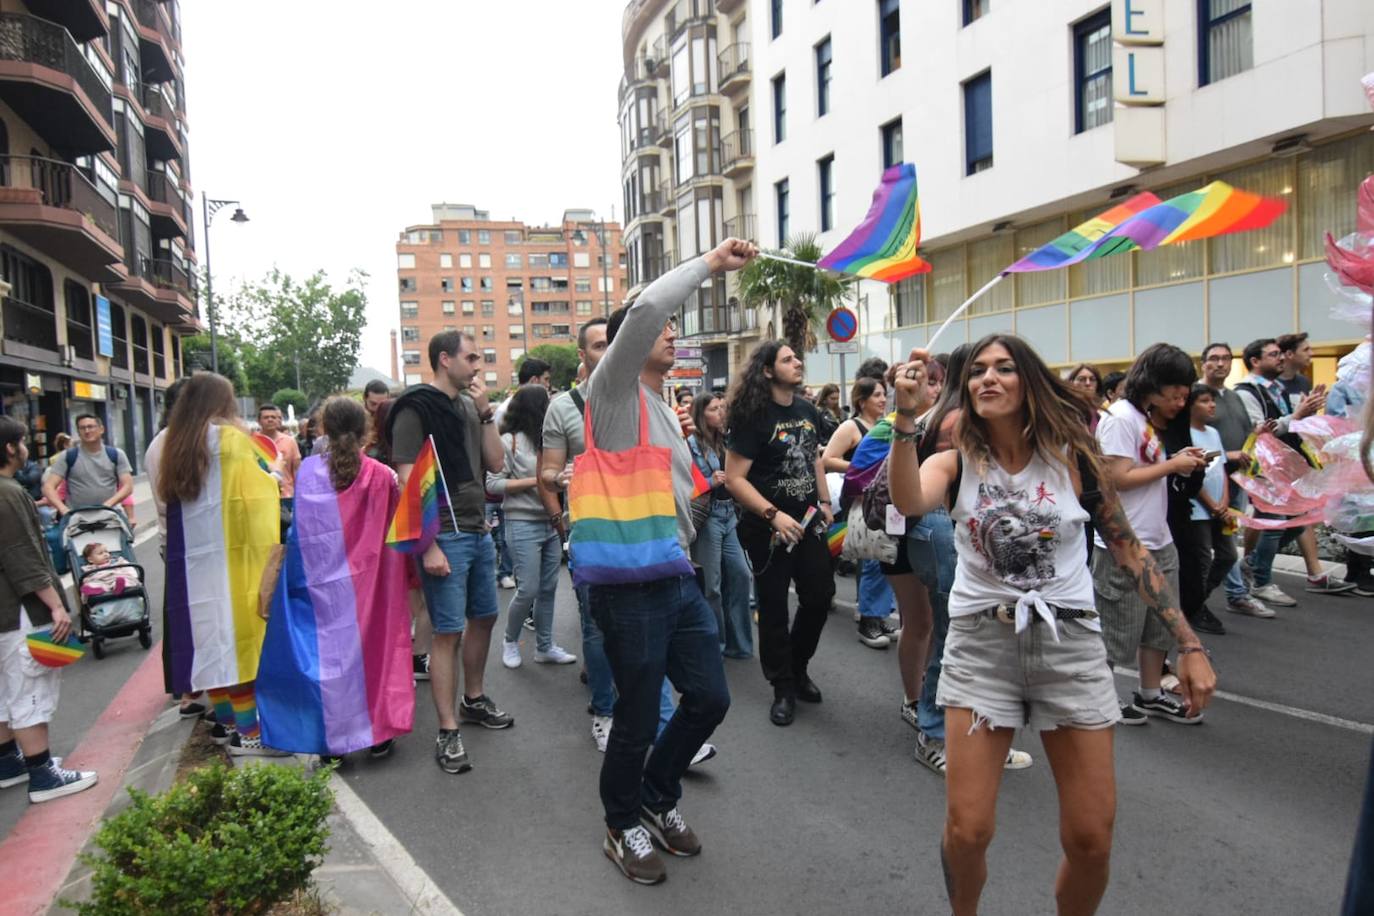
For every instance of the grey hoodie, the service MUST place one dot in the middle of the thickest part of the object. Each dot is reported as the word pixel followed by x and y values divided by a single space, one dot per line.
pixel 521 461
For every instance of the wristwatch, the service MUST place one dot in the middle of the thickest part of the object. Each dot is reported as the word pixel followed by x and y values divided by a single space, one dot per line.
pixel 770 513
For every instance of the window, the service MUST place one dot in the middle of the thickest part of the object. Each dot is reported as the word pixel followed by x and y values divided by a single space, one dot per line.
pixel 515 284
pixel 488 332
pixel 582 285
pixel 118 325
pixel 80 334
pixel 410 357
pixel 889 35
pixel 484 260
pixel 410 310
pixel 581 259
pixel 488 355
pixel 780 193
pixel 483 237
pixel 465 284
pixel 405 261
pixel 407 284
pixel 824 169
pixel 558 259
pixel 488 308
pixel 538 259
pixel 780 108
pixel 515 307
pixel 978 124
pixel 513 260
pixel 513 237
pixel 447 306
pixel 540 284
pixel 1226 45
pixel 823 77
pixel 775 18
pixel 445 284
pixel 1092 70
pixel 465 261
pixel 469 306
pixel 975 10
pixel 486 284
pixel 410 334
pixel 517 330
pixel 584 307
pixel 561 330
pixel 909 298
pixel 464 236
pixel 159 350
pixel 892 143
pixel 446 260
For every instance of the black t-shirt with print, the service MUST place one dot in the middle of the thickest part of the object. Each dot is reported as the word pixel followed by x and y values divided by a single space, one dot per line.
pixel 783 444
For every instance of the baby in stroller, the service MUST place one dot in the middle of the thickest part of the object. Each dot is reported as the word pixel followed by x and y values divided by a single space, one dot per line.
pixel 105 574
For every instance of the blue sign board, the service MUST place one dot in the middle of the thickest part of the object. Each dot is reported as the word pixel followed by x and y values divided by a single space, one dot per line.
pixel 104 327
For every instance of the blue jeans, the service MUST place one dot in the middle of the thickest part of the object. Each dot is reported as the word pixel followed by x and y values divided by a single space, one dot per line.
pixel 652 630
pixel 727 578
pixel 930 548
pixel 1270 543
pixel 496 519
pixel 875 595
pixel 469 589
pixel 599 680
pixel 538 552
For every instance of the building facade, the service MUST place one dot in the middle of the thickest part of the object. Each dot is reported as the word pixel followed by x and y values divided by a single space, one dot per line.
pixel 509 285
pixel 687 137
pixel 96 240
pixel 1024 119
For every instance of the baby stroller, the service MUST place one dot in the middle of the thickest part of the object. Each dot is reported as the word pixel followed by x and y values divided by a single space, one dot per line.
pixel 106 616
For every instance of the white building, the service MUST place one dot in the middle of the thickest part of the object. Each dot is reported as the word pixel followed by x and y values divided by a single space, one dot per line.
pixel 1005 107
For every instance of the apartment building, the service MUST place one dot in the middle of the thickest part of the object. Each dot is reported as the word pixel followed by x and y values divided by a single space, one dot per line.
pixel 96 242
pixel 509 285
pixel 1024 119
pixel 687 161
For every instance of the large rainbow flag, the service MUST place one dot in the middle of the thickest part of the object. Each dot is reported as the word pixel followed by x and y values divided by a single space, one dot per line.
pixel 335 675
pixel 868 459
pixel 1217 209
pixel 416 519
pixel 883 247
pixel 217 548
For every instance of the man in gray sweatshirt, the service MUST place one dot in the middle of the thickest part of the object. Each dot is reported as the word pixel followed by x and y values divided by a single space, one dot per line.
pixel 659 627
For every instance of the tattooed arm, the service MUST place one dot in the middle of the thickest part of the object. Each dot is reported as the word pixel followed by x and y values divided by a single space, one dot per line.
pixel 1195 674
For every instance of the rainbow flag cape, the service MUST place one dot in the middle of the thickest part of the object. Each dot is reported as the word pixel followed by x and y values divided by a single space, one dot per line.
pixel 834 537
pixel 1217 209
pixel 217 548
pixel 335 674
pixel 416 519
pixel 883 247
pixel 868 458
pixel 52 654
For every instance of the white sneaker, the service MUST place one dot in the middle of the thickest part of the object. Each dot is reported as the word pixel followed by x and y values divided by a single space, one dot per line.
pixel 1246 604
pixel 1017 760
pixel 1272 594
pixel 703 754
pixel 510 653
pixel 507 582
pixel 601 731
pixel 556 655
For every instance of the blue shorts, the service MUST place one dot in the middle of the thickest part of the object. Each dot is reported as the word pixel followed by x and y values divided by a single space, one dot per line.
pixel 469 589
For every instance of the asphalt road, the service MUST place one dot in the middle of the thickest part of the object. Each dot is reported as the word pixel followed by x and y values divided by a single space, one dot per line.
pixel 1251 813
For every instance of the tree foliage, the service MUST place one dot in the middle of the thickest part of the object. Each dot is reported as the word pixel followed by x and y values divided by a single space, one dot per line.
pixel 807 295
pixel 293 397
pixel 562 360
pixel 195 357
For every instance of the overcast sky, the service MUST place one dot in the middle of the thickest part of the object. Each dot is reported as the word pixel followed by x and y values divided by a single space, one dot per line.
pixel 337 124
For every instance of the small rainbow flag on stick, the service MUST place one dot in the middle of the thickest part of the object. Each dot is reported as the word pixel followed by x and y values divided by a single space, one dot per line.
pixel 883 247
pixel 53 654
pixel 416 521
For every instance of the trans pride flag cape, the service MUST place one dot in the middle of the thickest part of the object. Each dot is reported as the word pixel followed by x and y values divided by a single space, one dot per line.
pixel 336 669
pixel 217 548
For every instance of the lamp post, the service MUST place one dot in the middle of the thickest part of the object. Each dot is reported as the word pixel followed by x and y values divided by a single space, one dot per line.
pixel 208 209
pixel 599 227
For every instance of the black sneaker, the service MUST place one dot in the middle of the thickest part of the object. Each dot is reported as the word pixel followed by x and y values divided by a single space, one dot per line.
pixel 221 735
pixel 419 666
pixel 872 634
pixel 449 752
pixel 1132 716
pixel 192 711
pixel 892 628
pixel 1206 622
pixel 381 750
pixel 482 711
pixel 1166 706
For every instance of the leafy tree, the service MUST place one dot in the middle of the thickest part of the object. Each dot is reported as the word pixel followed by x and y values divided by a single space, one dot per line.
pixel 562 360
pixel 294 397
pixel 195 356
pixel 807 295
pixel 301 335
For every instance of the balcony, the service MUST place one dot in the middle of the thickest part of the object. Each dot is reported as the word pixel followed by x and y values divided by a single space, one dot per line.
pixel 30 327
pixel 162 131
pixel 176 288
pixel 157 46
pixel 740 319
pixel 650 205
pixel 734 69
pixel 655 267
pixel 50 85
pixel 663 131
pixel 85 19
pixel 737 153
pixel 667 199
pixel 656 62
pixel 744 226
pixel 54 207
pixel 686 12
pixel 637 73
pixel 138 289
pixel 166 206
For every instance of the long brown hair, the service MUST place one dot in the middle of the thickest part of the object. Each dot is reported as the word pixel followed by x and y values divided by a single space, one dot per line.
pixel 206 398
pixel 1056 420
pixel 863 389
pixel 713 439
pixel 345 425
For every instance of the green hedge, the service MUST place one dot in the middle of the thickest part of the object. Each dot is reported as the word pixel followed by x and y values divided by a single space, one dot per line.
pixel 222 841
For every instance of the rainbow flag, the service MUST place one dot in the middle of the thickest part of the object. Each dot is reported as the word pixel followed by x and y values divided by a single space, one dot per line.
pixel 217 548
pixel 335 674
pixel 834 537
pixel 700 485
pixel 51 654
pixel 883 247
pixel 1217 209
pixel 416 519
pixel 868 458
pixel 1082 237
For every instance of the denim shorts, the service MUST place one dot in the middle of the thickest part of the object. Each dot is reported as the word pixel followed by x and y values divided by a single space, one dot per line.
pixel 1012 680
pixel 469 589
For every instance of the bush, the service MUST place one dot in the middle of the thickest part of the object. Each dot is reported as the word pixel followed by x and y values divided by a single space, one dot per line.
pixel 283 397
pixel 222 841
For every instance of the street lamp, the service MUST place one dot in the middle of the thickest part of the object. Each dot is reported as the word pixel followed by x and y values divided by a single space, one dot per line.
pixel 598 227
pixel 208 209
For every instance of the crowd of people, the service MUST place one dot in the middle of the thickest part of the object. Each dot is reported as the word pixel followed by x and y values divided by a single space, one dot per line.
pixel 1015 533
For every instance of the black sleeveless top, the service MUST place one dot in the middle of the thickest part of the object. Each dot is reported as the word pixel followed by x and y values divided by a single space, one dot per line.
pixel 863 431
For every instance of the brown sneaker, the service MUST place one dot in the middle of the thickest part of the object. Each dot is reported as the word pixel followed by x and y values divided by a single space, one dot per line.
pixel 632 851
pixel 671 832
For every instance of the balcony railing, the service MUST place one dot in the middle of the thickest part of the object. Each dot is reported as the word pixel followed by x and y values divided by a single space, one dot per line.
pixel 734 61
pixel 30 324
pixel 37 41
pixel 685 12
pixel 156 104
pixel 743 226
pixel 667 201
pixel 61 184
pixel 739 319
pixel 168 274
pixel 663 131
pixel 650 203
pixel 149 15
pixel 736 147
pixel 162 189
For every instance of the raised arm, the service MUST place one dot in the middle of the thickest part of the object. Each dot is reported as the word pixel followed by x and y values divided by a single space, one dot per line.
pixel 916 488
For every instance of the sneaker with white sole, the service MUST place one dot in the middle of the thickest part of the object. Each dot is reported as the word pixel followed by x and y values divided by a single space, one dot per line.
pixel 240 746
pixel 419 667
pixel 1017 760
pixel 1132 716
pixel 449 752
pixel 1325 585
pixel 556 655
pixel 510 653
pixel 871 633
pixel 1272 594
pixel 909 714
pixel 671 832
pixel 930 752
pixel 703 754
pixel 1248 605
pixel 482 711
pixel 633 853
pixel 601 731
pixel 222 734
pixel 1165 706
pixel 50 781
pixel 14 770
pixel 507 582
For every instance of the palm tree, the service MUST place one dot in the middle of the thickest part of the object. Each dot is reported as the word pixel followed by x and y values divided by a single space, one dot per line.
pixel 807 295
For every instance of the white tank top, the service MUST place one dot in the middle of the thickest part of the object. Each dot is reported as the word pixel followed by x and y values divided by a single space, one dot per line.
pixel 1020 540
